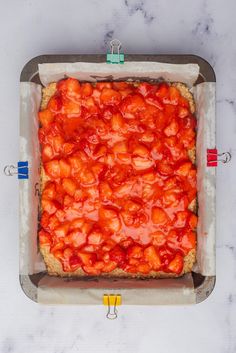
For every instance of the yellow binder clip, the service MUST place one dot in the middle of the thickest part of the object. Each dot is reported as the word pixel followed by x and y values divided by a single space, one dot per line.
pixel 112 301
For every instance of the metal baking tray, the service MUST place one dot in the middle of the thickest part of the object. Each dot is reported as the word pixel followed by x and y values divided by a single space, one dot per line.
pixel 203 285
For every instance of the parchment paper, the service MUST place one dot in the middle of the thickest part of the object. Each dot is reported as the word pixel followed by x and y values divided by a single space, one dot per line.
pixel 204 95
pixel 186 73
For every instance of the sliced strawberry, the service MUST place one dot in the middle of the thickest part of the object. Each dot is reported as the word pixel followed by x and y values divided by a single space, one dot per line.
pixel 58 246
pixel 119 85
pixel 71 107
pixel 163 91
pixel 147 136
pixel 44 238
pixel 188 241
pixel 132 206
pixel 44 219
pixel 165 168
pixel 130 269
pixel 68 148
pixel 87 177
pixel 193 221
pixel 47 153
pixel 86 227
pixel 52 169
pixel 158 238
pixel 171 198
pixel 76 238
pixel 146 88
pixel 100 150
pixel 55 104
pixel 59 255
pixel 76 223
pixel 49 191
pixel 141 150
pixel 105 190
pixel 68 201
pixel 109 267
pixel 132 105
pixel 108 245
pixel 176 265
pixel 74 262
pixel 118 255
pixel 152 257
pixel 69 186
pixel 60 215
pixel 128 218
pixel 91 248
pixel 124 158
pixel 140 163
pixel 183 112
pixel 95 238
pixel 135 251
pixel 174 95
pixel 155 102
pixel 49 206
pixel 126 92
pixel 46 117
pixel 172 128
pixel 109 219
pixel 148 192
pixel 120 147
pixel 184 169
pixel 102 85
pixel 87 258
pixel 76 163
pixel 161 121
pixel 117 122
pixel 181 219
pixel 110 97
pixel 69 85
pixel 62 230
pixel 53 222
pixel 126 243
pixel 159 216
pixel 123 190
pixel 65 168
pixel 134 262
pixel 86 89
pixel 157 150
pixel 186 137
pixel 144 268
pixel 92 271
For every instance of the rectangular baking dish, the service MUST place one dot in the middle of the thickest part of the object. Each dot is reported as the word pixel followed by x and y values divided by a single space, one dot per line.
pixel 40 287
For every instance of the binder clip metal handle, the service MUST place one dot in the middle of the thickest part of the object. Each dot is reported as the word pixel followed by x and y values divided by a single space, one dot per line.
pixel 112 301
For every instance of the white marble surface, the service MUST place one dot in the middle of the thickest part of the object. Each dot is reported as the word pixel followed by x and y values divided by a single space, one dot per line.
pixel 207 28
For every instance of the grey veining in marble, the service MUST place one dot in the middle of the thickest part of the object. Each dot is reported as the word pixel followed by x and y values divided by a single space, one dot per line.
pixel 204 27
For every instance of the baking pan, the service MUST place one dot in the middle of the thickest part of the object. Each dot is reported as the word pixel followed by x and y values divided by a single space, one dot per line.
pixel 40 281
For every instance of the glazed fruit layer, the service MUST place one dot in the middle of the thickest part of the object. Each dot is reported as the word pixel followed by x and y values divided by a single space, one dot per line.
pixel 119 177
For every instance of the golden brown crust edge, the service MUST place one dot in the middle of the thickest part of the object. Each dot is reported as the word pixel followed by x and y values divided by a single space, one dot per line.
pixel 54 267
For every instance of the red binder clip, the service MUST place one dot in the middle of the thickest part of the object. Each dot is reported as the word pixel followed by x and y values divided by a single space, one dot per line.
pixel 213 157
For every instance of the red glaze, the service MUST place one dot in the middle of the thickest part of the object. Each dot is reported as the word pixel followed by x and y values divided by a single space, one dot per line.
pixel 120 180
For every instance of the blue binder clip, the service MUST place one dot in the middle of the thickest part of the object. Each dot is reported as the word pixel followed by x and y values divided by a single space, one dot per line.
pixel 23 170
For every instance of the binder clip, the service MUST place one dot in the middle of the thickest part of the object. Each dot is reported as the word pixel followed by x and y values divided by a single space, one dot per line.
pixel 115 56
pixel 213 157
pixel 112 301
pixel 22 170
